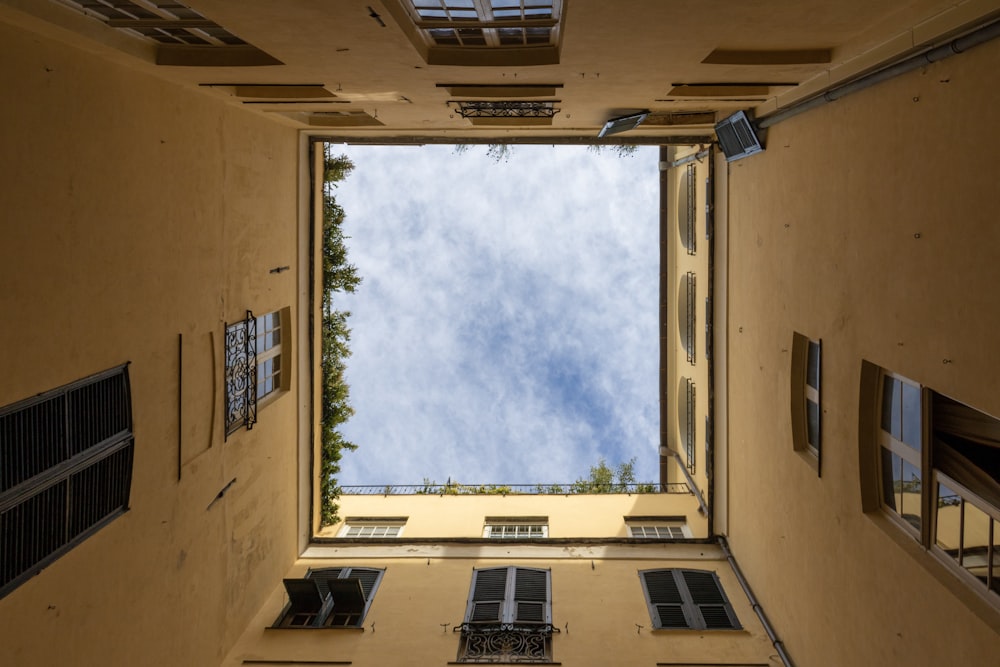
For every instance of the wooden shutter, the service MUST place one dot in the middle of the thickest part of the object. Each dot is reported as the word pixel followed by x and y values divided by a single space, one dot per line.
pixel 510 595
pixel 532 596
pixel 709 600
pixel 489 592
pixel 666 604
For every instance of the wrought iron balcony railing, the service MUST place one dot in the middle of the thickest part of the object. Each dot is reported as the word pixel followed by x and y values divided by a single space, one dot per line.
pixel 505 642
pixel 241 374
pixel 455 489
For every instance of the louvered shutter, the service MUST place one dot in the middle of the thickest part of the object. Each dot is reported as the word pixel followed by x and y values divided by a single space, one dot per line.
pixel 532 601
pixel 666 604
pixel 489 591
pixel 709 600
pixel 367 576
pixel 322 578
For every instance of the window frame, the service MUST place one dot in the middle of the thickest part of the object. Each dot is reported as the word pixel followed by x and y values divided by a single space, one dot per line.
pixel 246 356
pixel 327 612
pixel 937 468
pixel 491 526
pixel 384 523
pixel 802 393
pixel 490 51
pixel 691 611
pixel 501 632
pixel 81 489
pixel 670 526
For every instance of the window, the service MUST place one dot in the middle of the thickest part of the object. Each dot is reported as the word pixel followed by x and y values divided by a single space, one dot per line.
pixel 657 528
pixel 333 597
pixel 938 473
pixel 482 32
pixel 516 528
pixel 183 36
pixel 687 410
pixel 687 599
pixel 508 617
pixel 254 368
pixel 805 403
pixel 65 470
pixel 374 527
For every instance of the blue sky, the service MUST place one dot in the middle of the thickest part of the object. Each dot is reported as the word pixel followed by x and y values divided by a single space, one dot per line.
pixel 506 329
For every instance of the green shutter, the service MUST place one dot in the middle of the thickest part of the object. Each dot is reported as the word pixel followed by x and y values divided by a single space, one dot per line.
pixel 510 595
pixel 666 604
pixel 691 599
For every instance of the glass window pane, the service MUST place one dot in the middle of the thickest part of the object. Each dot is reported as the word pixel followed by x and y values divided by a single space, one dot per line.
pixel 505 3
pixel 538 35
pixel 911 416
pixel 464 15
pixel 443 36
pixel 472 37
pixel 910 491
pixel 891 416
pixel 949 520
pixel 812 423
pixel 432 14
pixel 507 14
pixel 538 3
pixel 538 13
pixel 461 4
pixel 975 541
pixel 892 474
pixel 510 36
pixel 812 369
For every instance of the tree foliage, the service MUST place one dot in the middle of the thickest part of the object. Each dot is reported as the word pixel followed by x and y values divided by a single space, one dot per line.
pixel 338 275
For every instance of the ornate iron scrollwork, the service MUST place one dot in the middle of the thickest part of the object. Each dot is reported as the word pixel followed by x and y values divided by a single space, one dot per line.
pixel 506 109
pixel 505 642
pixel 241 374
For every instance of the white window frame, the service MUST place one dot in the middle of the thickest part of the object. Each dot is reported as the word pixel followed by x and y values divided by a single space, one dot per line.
pixel 372 529
pixel 651 530
pixel 269 353
pixel 512 530
pixel 486 21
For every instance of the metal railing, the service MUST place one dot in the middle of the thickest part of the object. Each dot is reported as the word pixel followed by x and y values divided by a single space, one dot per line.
pixel 455 489
pixel 241 374
pixel 507 642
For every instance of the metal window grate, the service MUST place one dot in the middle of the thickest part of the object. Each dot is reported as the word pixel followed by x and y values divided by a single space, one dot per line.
pixel 690 318
pixel 692 196
pixel 66 460
pixel 241 374
pixel 690 427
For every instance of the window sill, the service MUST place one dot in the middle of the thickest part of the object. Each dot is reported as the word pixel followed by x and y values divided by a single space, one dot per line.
pixel 506 663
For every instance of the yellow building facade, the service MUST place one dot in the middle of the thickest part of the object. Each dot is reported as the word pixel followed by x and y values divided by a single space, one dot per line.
pixel 157 262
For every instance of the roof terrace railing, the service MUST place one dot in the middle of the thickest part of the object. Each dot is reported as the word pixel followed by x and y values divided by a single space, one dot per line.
pixel 455 489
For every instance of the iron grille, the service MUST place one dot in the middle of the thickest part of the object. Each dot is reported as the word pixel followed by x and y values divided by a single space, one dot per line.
pixel 455 489
pixel 689 436
pixel 692 240
pixel 241 374
pixel 505 642
pixel 507 109
pixel 690 318
pixel 66 462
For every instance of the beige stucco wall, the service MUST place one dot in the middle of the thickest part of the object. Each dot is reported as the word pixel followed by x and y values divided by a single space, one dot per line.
pixel 597 604
pixel 133 211
pixel 869 224
pixel 577 515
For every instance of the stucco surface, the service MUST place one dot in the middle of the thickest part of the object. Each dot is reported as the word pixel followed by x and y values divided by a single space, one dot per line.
pixel 135 211
pixel 869 224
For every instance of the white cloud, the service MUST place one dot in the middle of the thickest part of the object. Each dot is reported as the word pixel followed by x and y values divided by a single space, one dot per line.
pixel 506 328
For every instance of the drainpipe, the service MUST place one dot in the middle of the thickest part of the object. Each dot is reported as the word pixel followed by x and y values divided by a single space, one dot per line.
pixel 975 38
pixel 778 645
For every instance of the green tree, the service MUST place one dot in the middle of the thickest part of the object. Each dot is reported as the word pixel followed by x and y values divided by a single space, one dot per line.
pixel 605 479
pixel 338 275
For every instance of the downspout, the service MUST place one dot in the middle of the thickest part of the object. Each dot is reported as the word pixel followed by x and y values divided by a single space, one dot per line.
pixel 975 38
pixel 778 644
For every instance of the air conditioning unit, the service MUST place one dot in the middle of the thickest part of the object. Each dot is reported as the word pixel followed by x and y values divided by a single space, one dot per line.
pixel 737 137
